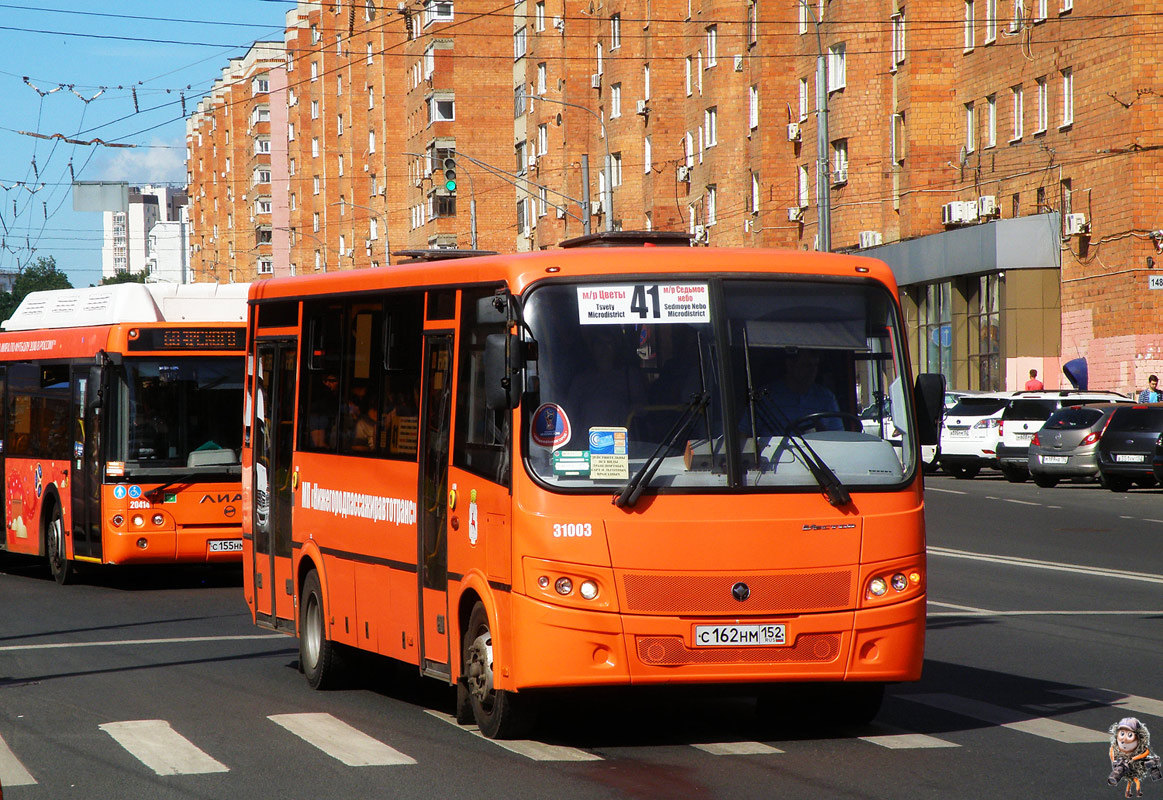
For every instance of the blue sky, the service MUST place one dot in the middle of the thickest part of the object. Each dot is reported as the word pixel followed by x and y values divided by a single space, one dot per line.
pixel 73 68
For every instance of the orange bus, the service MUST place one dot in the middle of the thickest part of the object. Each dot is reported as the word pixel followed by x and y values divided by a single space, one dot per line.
pixel 120 435
pixel 589 467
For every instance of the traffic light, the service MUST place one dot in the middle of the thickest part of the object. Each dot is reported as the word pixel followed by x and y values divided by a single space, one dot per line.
pixel 450 173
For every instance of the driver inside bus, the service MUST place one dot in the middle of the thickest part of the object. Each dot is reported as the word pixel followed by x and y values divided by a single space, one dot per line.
pixel 793 396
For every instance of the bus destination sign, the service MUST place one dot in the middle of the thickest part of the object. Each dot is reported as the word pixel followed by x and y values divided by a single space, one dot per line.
pixel 179 338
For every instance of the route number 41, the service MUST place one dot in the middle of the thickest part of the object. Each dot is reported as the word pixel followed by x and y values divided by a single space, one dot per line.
pixel 638 302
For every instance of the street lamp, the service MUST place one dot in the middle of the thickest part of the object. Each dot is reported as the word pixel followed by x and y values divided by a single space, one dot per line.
pixel 608 195
pixel 823 187
pixel 387 247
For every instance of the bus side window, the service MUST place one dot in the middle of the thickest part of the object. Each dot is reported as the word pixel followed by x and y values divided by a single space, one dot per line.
pixel 320 395
pixel 403 340
pixel 483 442
pixel 359 415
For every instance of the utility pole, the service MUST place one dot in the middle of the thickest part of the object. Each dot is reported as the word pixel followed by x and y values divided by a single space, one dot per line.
pixel 823 184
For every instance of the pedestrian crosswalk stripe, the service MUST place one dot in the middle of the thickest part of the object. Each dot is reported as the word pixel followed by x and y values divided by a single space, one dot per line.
pixel 737 748
pixel 1010 718
pixel 161 748
pixel 537 751
pixel 1131 702
pixel 12 772
pixel 341 741
pixel 896 739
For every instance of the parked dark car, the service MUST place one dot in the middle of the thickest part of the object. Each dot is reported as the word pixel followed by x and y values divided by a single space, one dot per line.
pixel 1024 417
pixel 1126 451
pixel 1067 445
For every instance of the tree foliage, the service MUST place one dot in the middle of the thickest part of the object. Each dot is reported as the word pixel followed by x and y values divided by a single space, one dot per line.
pixel 124 276
pixel 41 275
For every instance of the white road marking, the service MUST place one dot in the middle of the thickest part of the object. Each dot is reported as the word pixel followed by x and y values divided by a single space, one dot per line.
pixel 123 642
pixel 1056 566
pixel 1021 502
pixel 961 611
pixel 161 748
pixel 896 739
pixel 1148 519
pixel 1010 718
pixel 12 772
pixel 1131 702
pixel 945 491
pixel 538 751
pixel 341 741
pixel 737 748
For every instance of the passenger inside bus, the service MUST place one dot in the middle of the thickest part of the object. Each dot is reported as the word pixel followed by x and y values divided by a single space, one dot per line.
pixel 324 412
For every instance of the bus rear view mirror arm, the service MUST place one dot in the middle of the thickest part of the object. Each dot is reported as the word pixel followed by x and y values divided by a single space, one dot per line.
pixel 503 366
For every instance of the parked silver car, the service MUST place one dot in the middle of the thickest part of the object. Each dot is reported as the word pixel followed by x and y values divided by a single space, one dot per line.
pixel 1067 444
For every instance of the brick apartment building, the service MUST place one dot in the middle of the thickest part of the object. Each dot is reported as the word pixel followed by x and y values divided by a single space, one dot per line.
pixel 1001 155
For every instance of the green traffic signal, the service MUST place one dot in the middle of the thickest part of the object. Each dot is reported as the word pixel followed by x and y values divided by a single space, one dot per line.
pixel 450 174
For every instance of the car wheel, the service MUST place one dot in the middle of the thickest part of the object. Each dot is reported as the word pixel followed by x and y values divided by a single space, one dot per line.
pixel 1146 483
pixel 1016 474
pixel 1045 481
pixel 958 471
pixel 1116 483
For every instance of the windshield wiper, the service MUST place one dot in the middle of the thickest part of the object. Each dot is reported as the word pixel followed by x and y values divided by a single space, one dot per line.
pixel 833 488
pixel 633 488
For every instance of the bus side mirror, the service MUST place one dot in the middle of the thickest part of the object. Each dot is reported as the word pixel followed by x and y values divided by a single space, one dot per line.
pixel 503 364
pixel 929 400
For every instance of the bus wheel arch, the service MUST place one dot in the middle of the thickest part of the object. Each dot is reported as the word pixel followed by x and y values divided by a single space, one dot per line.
pixel 499 713
pixel 55 541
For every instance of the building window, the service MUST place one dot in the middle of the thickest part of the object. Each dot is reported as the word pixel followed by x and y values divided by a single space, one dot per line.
pixel 437 11
pixel 647 155
pixel 985 333
pixel 441 109
pixel 688 76
pixel 840 161
pixel 935 315
pixel 711 215
pixel 616 169
pixel 522 220
pixel 752 23
pixel 315 222
pixel 898 38
pixel 837 73
pixel 542 139
pixel 1043 101
pixel 260 86
pixel 369 52
pixel 1016 96
pixel 699 70
pixel 803 99
pixel 615 31
pixel 802 187
pixel 519 43
pixel 519 151
pixel 315 185
pixel 970 131
pixel 262 146
pixel 371 98
pixel 712 45
pixel 542 71
pixel 711 124
pixel 688 150
pixel 1039 10
pixel 314 109
pixel 615 100
pixel 339 125
pixel 753 107
pixel 753 198
pixel 990 21
pixel 969 32
pixel 340 164
pixel 897 138
pixel 598 57
pixel 518 100
pixel 991 121
pixel 314 70
pixel 266 265
pixel 339 86
pixel 539 16
pixel 542 201
pixel 315 147
pixel 1067 96
pixel 804 13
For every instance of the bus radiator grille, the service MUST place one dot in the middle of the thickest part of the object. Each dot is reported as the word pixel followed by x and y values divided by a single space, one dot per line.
pixel 778 593
pixel 671 651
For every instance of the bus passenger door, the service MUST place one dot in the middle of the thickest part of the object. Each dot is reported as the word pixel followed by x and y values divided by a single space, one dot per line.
pixel 432 525
pixel 273 439
pixel 86 470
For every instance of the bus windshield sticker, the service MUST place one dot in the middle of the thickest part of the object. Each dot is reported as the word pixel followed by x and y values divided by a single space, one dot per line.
pixel 644 303
pixel 571 463
pixel 551 426
pixel 609 454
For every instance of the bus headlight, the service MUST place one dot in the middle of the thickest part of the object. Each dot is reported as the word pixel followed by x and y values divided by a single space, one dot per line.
pixel 877 587
pixel 563 586
pixel 900 582
pixel 588 590
pixel 158 520
pixel 138 520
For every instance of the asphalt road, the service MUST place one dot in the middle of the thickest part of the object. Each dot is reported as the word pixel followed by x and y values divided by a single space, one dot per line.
pixel 1046 626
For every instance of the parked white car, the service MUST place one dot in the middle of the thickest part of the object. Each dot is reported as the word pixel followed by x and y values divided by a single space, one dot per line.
pixel 970 433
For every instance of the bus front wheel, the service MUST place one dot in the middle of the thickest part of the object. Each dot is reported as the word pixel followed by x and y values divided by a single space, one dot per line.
pixel 55 547
pixel 319 657
pixel 498 713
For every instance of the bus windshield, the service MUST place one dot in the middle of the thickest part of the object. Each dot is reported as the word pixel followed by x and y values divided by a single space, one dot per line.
pixel 181 414
pixel 726 383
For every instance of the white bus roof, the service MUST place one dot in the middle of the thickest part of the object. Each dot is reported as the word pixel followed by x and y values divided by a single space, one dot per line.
pixel 130 302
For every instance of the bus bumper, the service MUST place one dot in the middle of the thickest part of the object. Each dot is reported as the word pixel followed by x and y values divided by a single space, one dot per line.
pixel 556 647
pixel 217 546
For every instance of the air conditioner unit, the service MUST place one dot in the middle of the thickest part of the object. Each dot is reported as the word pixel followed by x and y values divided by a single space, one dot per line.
pixel 684 173
pixel 795 214
pixel 870 239
pixel 560 212
pixel 953 213
pixel 595 206
pixel 840 176
pixel 793 132
pixel 747 226
pixel 969 211
pixel 596 80
pixel 739 63
pixel 532 162
pixel 987 206
pixel 640 107
pixel 1076 225
pixel 559 23
pixel 350 252
pixel 700 233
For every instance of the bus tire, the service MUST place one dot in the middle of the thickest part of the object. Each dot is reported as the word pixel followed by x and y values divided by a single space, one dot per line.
pixel 319 657
pixel 859 703
pixel 498 713
pixel 55 547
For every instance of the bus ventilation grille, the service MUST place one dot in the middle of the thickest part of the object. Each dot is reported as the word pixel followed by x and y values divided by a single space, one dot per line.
pixel 671 651
pixel 779 593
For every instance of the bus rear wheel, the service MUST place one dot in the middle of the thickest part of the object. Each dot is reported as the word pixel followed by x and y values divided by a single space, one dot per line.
pixel 498 713
pixel 55 547
pixel 319 657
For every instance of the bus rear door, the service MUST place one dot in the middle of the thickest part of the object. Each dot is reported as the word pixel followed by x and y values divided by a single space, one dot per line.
pixel 87 466
pixel 274 494
pixel 433 496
